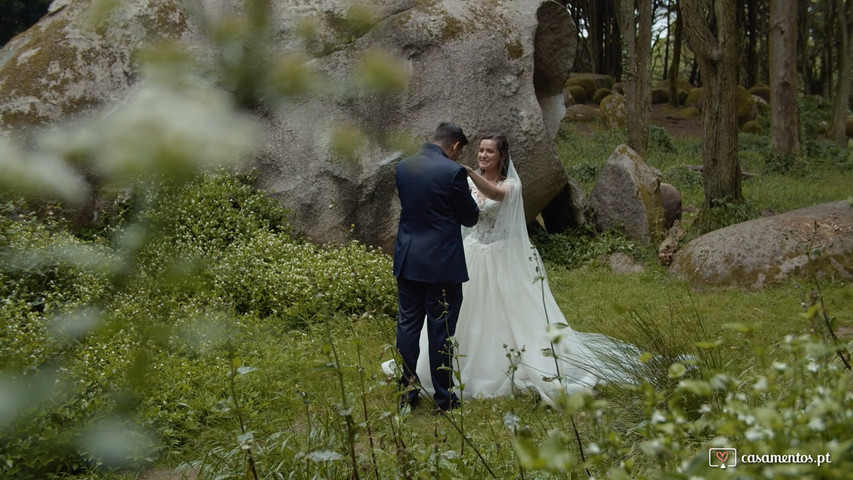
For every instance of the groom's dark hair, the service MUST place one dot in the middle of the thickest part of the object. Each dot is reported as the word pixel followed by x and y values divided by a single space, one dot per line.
pixel 449 133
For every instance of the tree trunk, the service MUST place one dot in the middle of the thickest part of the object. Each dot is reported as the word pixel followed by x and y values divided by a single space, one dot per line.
pixel 784 110
pixel 613 42
pixel 595 39
pixel 668 39
pixel 578 12
pixel 827 64
pixel 714 38
pixel 844 11
pixel 751 57
pixel 676 57
pixel 637 32
pixel 695 79
pixel 802 43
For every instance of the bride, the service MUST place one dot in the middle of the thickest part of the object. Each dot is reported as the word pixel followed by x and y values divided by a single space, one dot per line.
pixel 511 335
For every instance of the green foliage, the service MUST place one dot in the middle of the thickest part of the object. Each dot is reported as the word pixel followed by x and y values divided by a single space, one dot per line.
pixel 660 140
pixel 684 177
pixel 791 401
pixel 214 243
pixel 49 268
pixel 349 276
pixel 828 155
pixel 815 116
pixel 584 172
pixel 724 212
pixel 210 214
pixel 296 281
pixel 198 318
pixel 573 249
pixel 583 156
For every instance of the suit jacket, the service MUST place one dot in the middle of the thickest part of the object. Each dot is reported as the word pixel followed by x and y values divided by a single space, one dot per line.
pixel 435 203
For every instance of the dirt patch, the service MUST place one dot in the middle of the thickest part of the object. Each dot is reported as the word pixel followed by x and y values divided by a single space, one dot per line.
pixel 844 332
pixel 675 125
pixel 169 474
pixel 662 115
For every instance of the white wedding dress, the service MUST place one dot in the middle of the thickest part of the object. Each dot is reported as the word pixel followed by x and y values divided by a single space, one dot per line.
pixel 510 326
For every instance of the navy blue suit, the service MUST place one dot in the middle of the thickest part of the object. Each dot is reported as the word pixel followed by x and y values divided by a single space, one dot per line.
pixel 429 262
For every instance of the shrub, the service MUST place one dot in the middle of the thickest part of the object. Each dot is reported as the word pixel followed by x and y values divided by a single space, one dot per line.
pixel 43 265
pixel 815 115
pixel 828 155
pixel 790 401
pixel 271 275
pixel 683 177
pixel 576 248
pixel 660 140
pixel 212 213
pixel 80 321
pixel 584 172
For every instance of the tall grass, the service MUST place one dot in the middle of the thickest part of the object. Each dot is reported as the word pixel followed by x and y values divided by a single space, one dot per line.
pixel 241 364
pixel 194 332
pixel 824 175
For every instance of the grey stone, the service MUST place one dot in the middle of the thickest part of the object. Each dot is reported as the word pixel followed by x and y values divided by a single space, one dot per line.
pixel 488 67
pixel 626 195
pixel 671 200
pixel 772 249
pixel 623 264
pixel 582 113
pixel 614 112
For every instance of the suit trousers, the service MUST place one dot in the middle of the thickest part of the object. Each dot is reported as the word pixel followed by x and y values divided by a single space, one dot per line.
pixel 438 304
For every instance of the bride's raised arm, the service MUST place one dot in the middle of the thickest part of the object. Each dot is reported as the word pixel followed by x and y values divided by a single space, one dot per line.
pixel 487 188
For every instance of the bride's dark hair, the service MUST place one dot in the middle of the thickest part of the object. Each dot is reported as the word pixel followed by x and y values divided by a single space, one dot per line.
pixel 503 149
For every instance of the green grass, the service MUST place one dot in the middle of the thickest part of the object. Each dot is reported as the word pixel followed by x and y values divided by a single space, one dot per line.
pixel 587 297
pixel 292 400
pixel 308 386
pixel 824 176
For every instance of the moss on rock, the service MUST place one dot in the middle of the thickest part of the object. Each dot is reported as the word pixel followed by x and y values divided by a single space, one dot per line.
pixel 761 90
pixel 601 94
pixel 695 98
pixel 659 95
pixel 61 67
pixel 752 126
pixel 584 82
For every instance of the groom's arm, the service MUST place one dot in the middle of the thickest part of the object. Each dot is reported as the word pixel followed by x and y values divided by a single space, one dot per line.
pixel 465 207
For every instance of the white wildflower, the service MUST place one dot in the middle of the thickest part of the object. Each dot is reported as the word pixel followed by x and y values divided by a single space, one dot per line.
pixel 780 366
pixel 816 424
pixel 747 419
pixel 554 332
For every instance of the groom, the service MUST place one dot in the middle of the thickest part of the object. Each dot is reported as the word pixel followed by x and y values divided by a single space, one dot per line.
pixel 429 261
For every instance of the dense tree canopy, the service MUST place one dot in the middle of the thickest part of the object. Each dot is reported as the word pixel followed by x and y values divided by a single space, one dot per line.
pixel 18 15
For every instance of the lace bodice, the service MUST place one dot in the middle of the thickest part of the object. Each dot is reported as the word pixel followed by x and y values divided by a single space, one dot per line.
pixel 484 231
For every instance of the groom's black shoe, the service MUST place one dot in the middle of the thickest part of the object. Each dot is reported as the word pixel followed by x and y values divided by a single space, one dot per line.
pixel 454 404
pixel 409 402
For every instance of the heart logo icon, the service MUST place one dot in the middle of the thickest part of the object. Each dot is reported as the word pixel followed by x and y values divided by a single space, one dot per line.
pixel 722 456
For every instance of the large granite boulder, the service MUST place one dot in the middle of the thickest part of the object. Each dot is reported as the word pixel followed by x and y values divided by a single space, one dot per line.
pixel 671 201
pixel 69 62
pixel 582 113
pixel 614 111
pixel 627 195
pixel 772 249
pixel 497 67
